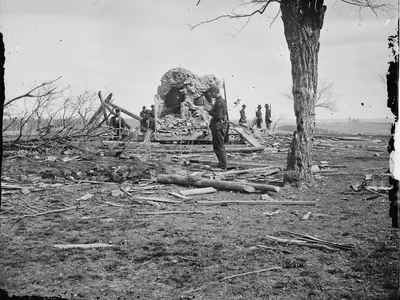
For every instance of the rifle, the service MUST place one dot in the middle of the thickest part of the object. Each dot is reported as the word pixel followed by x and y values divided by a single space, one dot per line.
pixel 226 138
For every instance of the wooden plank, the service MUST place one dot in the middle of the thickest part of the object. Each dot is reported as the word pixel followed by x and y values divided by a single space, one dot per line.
pixel 206 190
pixel 83 246
pixel 248 138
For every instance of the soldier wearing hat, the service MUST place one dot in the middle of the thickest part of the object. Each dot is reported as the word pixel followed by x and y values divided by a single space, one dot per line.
pixel 147 125
pixel 218 125
pixel 118 123
pixel 242 119
pixel 142 112
pixel 268 119
pixel 259 116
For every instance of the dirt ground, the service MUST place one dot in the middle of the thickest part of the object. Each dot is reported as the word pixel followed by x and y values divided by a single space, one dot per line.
pixel 189 256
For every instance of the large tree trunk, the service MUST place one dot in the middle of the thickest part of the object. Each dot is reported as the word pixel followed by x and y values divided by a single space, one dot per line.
pixel 303 20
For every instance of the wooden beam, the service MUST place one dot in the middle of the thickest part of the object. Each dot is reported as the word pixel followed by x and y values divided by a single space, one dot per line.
pixel 247 137
pixel 132 115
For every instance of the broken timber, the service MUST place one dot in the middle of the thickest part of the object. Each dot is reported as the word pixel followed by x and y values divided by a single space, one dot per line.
pixel 248 138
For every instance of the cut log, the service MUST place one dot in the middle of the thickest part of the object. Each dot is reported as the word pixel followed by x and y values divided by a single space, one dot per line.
pixel 257 202
pixel 200 191
pixel 218 184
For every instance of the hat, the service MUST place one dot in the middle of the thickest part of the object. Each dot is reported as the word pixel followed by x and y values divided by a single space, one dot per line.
pixel 144 107
pixel 117 109
pixel 152 106
pixel 259 106
pixel 244 105
pixel 214 89
pixel 266 105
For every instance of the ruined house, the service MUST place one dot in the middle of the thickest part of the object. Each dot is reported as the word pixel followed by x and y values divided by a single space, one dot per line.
pixel 181 103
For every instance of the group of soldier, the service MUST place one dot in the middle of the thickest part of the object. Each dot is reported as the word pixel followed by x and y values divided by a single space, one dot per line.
pixel 219 123
pixel 259 117
pixel 147 123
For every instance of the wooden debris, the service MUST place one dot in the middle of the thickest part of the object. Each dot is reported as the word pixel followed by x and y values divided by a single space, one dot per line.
pixel 256 202
pixel 242 164
pixel 179 195
pixel 200 191
pixel 85 197
pixel 264 187
pixel 252 272
pixel 264 171
pixel 49 212
pixel 247 137
pixel 270 214
pixel 300 243
pixel 165 200
pixel 83 246
pixel 306 216
pixel 201 182
pixel 177 212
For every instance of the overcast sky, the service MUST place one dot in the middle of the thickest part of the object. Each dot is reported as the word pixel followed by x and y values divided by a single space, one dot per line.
pixel 125 46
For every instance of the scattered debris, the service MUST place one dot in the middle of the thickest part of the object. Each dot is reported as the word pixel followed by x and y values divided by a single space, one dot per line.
pixel 206 190
pixel 252 272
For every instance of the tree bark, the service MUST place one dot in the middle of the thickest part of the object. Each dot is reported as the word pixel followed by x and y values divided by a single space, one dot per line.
pixel 302 20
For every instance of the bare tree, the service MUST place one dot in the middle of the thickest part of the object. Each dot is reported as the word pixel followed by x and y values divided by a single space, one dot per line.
pixel 325 98
pixel 303 21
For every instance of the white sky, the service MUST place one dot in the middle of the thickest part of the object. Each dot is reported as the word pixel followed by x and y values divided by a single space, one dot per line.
pixel 125 46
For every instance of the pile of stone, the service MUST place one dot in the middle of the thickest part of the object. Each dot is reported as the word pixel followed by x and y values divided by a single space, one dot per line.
pixel 182 102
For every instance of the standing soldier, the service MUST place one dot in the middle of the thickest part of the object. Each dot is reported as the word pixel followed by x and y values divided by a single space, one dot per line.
pixel 118 123
pixel 218 125
pixel 259 116
pixel 153 111
pixel 268 119
pixel 143 111
pixel 242 119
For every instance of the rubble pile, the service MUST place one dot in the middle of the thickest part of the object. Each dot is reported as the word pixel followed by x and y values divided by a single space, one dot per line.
pixel 182 101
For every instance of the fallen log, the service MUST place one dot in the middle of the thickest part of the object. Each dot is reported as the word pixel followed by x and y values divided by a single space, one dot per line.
pixel 200 191
pixel 218 184
pixel 257 202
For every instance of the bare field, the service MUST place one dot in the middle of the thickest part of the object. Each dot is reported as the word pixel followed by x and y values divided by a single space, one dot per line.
pixel 190 255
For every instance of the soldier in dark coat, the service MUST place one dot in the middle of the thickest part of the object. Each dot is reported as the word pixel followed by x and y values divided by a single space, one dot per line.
pixel 218 126
pixel 147 125
pixel 142 112
pixel 259 116
pixel 242 119
pixel 268 119
pixel 118 123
